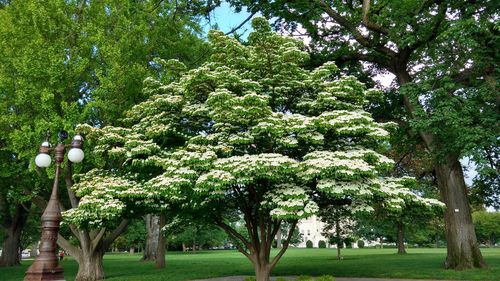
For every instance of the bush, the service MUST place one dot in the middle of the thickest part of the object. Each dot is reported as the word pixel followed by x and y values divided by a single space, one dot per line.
pixel 361 244
pixel 321 244
pixel 325 278
pixel 281 279
pixel 250 278
pixel 309 244
pixel 309 278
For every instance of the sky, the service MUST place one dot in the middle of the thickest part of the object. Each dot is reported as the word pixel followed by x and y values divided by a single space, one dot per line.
pixel 226 19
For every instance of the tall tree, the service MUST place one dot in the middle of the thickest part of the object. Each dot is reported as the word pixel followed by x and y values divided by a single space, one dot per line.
pixel 252 134
pixel 443 56
pixel 68 62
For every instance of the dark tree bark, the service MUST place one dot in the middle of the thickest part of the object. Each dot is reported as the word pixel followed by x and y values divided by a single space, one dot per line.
pixel 278 239
pixel 152 238
pixel 339 240
pixel 463 249
pixel 90 267
pixel 161 247
pixel 13 227
pixel 401 238
pixel 258 248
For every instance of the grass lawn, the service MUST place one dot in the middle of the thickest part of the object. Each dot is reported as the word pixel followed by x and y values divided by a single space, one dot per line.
pixel 419 263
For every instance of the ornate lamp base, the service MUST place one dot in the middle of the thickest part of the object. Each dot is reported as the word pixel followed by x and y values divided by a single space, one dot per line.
pixel 35 273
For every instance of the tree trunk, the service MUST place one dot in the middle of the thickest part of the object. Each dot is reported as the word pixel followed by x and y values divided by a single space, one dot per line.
pixel 10 248
pixel 463 249
pixel 131 250
pixel 153 233
pixel 12 240
pixel 339 242
pixel 278 239
pixel 381 240
pixel 184 248
pixel 90 266
pixel 262 271
pixel 34 249
pixel 160 251
pixel 401 238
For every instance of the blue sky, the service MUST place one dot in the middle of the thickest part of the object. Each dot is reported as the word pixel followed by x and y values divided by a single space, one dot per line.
pixel 226 19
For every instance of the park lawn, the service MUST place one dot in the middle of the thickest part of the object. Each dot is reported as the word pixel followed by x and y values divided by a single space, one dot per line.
pixel 418 264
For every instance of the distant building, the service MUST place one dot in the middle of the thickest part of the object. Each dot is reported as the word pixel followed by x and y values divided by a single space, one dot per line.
pixel 311 229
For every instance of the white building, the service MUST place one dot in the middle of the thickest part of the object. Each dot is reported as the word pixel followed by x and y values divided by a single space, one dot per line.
pixel 311 229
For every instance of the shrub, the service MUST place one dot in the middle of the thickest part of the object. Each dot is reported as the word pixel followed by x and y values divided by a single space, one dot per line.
pixel 281 279
pixel 304 277
pixel 348 242
pixel 309 244
pixel 321 244
pixel 361 244
pixel 325 278
pixel 250 278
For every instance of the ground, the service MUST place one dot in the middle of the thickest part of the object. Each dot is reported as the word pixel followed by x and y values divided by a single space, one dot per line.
pixel 381 263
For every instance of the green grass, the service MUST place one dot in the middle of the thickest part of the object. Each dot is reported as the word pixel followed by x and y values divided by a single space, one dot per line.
pixel 418 264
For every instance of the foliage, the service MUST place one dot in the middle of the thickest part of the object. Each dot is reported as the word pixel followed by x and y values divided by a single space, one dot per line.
pixel 321 244
pixel 361 244
pixel 135 234
pixel 200 235
pixel 309 244
pixel 487 226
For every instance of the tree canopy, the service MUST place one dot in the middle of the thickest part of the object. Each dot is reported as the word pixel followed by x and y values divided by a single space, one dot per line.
pixel 249 133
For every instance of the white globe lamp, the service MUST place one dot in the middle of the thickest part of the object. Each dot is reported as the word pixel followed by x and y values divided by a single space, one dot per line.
pixel 75 154
pixel 43 159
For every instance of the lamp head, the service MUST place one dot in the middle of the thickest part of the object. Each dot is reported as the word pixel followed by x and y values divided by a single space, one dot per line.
pixel 75 154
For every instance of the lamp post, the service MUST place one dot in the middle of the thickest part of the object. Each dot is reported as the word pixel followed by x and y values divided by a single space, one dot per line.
pixel 45 266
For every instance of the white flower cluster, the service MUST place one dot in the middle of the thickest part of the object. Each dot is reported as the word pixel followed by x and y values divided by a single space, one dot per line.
pixel 272 166
pixel 214 182
pixel 326 164
pixel 103 198
pixel 289 201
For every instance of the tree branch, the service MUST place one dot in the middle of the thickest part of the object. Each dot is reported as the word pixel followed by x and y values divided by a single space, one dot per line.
pixel 438 19
pixel 364 41
pixel 365 11
pixel 112 236
pixel 68 178
pixel 285 246
pixel 229 230
pixel 233 232
pixel 97 238
pixel 241 24
pixel 68 247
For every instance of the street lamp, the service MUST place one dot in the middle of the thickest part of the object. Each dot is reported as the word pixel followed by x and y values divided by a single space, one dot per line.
pixel 45 266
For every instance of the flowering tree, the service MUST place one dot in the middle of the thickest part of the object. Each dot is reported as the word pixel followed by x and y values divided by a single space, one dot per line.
pixel 250 134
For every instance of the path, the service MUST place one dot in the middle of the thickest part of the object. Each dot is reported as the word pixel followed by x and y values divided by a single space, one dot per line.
pixel 242 278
